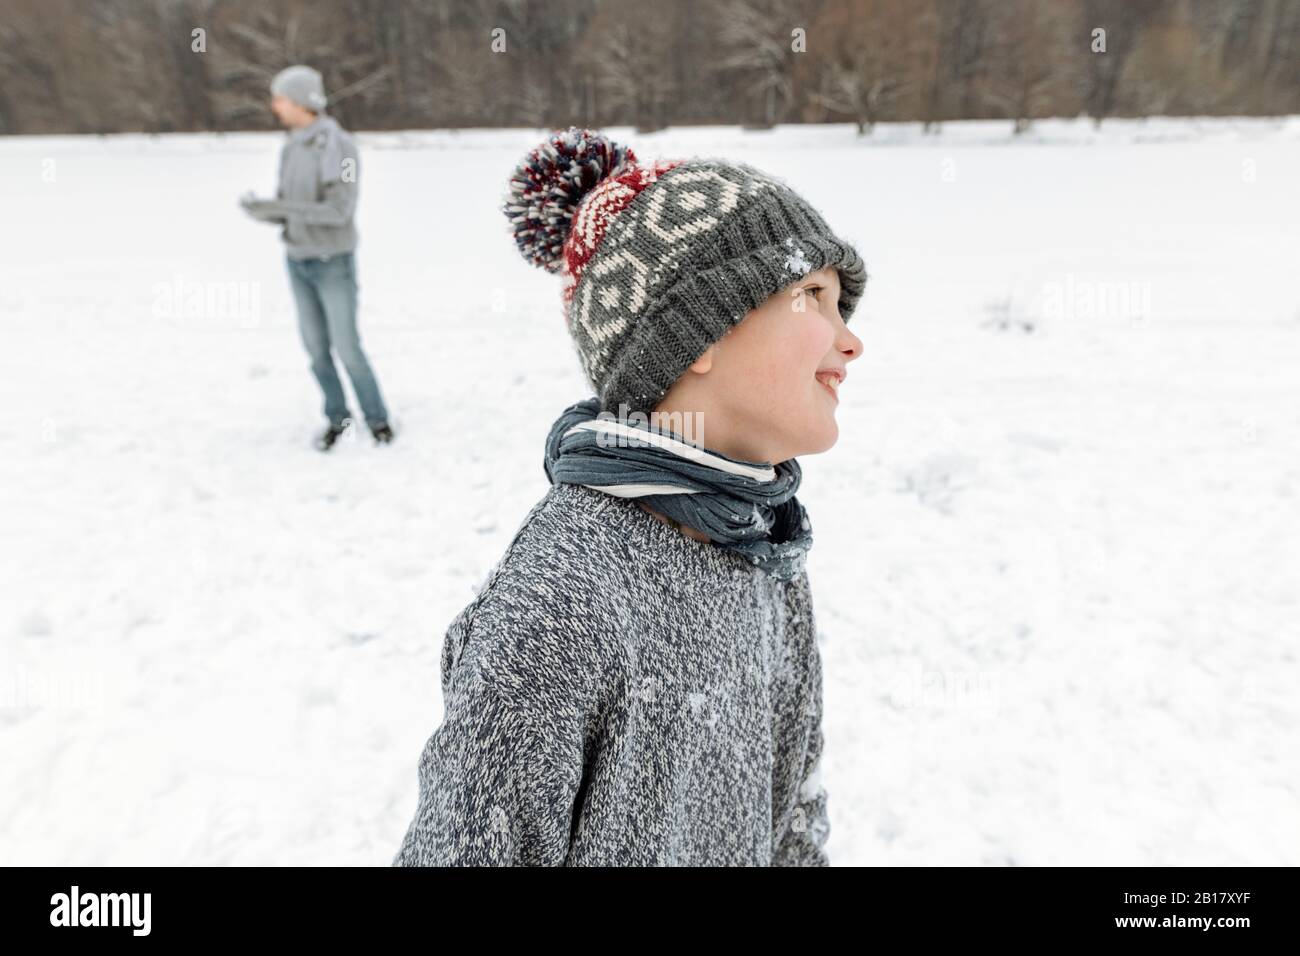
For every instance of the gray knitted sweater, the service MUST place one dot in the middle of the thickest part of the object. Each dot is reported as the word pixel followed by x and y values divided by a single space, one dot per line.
pixel 316 200
pixel 618 694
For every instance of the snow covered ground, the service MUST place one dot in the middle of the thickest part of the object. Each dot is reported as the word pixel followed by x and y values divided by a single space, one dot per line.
pixel 1056 571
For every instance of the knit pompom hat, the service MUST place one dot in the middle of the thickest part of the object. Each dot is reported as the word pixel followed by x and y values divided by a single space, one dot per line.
pixel 661 259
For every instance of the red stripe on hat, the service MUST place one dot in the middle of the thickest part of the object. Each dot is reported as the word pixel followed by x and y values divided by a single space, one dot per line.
pixel 595 214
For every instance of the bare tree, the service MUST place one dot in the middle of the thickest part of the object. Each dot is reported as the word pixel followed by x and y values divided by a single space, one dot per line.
pixel 1120 24
pixel 272 38
pixel 871 63
pixel 463 74
pixel 633 62
pixel 1033 57
pixel 252 53
pixel 926 63
pixel 858 89
pixel 950 56
pixel 1279 72
pixel 756 52
pixel 967 51
pixel 30 99
pixel 117 65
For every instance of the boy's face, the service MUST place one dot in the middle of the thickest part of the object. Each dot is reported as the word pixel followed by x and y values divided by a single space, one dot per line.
pixel 766 391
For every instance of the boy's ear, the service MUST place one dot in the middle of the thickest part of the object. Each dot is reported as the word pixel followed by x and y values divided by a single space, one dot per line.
pixel 704 362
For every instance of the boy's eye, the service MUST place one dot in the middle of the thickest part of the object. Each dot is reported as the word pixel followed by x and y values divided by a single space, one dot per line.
pixel 813 288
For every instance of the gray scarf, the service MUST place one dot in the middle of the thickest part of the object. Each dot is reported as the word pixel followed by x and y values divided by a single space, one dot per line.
pixel 743 506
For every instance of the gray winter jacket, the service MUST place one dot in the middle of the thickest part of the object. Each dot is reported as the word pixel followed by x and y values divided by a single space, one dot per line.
pixel 317 196
pixel 618 694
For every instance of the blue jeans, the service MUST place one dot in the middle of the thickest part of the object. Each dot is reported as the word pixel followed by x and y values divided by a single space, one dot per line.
pixel 326 293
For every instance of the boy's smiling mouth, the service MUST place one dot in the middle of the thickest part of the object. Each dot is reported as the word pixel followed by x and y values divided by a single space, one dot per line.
pixel 831 378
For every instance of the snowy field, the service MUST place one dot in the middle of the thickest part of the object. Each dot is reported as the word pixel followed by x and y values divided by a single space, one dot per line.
pixel 1056 571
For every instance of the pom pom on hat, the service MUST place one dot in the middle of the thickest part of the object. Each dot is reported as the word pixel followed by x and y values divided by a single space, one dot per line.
pixel 546 188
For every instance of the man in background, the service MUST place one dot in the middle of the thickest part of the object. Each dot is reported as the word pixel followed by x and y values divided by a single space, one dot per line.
pixel 315 204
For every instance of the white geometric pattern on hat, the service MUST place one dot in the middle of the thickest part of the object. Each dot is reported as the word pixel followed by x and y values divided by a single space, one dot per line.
pixel 609 294
pixel 599 211
pixel 720 201
pixel 755 181
pixel 686 189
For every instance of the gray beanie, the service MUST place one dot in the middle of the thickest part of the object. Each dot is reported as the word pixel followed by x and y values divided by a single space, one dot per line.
pixel 301 84
pixel 661 259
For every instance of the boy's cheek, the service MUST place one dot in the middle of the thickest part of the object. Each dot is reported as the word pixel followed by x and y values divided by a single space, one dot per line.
pixel 787 354
pixel 757 379
pixel 782 375
pixel 805 345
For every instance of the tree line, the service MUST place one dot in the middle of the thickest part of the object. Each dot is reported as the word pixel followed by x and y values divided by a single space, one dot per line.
pixel 70 66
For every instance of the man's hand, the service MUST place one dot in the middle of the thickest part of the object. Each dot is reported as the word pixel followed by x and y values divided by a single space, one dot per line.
pixel 262 210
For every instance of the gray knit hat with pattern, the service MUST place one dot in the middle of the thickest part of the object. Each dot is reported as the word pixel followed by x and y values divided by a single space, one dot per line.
pixel 661 259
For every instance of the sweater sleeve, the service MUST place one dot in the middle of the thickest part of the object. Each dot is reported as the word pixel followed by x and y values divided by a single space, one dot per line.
pixel 499 778
pixel 257 208
pixel 803 842
pixel 339 173
pixel 339 200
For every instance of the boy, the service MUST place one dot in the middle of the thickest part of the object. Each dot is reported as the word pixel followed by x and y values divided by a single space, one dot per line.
pixel 316 201
pixel 638 680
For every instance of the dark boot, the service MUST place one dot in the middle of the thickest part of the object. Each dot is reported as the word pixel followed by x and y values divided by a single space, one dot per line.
pixel 326 439
pixel 383 434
